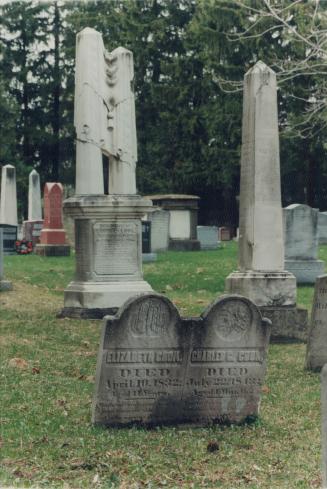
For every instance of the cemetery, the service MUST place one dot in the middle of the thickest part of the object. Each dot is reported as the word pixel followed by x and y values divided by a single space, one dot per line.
pixel 163 284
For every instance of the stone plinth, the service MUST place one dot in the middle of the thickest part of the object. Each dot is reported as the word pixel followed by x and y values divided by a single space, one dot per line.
pixel 301 243
pixel 8 205
pixel 183 217
pixel 4 284
pixel 156 368
pixel 53 236
pixel 108 253
pixel 9 238
pixel 261 275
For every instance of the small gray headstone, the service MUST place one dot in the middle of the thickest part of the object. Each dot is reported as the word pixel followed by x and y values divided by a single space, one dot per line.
pixel 159 230
pixel 156 368
pixel 317 338
pixel 208 237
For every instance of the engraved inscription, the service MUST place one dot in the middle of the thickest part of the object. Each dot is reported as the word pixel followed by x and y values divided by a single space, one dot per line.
pixel 151 318
pixel 233 320
pixel 116 248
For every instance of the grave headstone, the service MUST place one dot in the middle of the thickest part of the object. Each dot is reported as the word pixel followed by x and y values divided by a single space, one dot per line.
pixel 9 239
pixel 33 226
pixel 106 210
pixel 316 356
pixel 4 284
pixel 261 275
pixel 156 368
pixel 183 219
pixel 8 205
pixel 322 227
pixel 53 235
pixel 147 254
pixel 324 425
pixel 159 230
pixel 301 243
pixel 208 237
pixel 224 233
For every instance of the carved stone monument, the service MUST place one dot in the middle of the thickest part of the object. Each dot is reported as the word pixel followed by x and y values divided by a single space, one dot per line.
pixel 156 368
pixel 4 284
pixel 106 209
pixel 261 276
pixel 301 243
pixel 33 226
pixel 317 337
pixel 53 235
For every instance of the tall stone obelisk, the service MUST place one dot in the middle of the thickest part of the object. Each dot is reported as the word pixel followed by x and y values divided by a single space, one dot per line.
pixel 261 276
pixel 106 209
pixel 8 206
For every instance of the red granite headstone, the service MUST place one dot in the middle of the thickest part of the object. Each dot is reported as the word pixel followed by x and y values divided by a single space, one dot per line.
pixel 53 235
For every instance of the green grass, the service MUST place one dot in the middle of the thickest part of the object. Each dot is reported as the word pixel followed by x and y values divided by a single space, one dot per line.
pixel 47 440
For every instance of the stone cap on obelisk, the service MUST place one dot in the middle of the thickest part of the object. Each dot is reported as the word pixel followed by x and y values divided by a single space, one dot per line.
pixel 8 207
pixel 261 246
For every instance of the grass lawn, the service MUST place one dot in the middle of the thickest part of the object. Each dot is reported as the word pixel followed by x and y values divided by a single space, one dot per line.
pixel 47 379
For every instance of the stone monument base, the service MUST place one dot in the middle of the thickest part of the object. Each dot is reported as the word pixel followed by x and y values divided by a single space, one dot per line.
pixel 288 323
pixel 5 285
pixel 52 250
pixel 271 289
pixel 184 245
pixel 305 271
pixel 94 300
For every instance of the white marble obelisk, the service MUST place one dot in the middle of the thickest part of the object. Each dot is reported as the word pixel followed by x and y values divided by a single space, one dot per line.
pixel 34 197
pixel 107 220
pixel 261 275
pixel 8 206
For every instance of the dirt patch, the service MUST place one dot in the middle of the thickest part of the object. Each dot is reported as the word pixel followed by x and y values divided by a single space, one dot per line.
pixel 30 297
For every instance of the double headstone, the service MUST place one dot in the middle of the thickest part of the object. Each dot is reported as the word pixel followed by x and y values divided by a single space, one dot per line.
pixel 261 276
pixel 106 209
pixel 155 367
pixel 53 236
pixel 33 226
pixel 301 243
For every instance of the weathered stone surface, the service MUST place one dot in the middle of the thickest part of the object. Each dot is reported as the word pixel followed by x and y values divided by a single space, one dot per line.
pixel 261 275
pixel 287 323
pixel 4 284
pixel 108 251
pixel 208 237
pixel 156 368
pixel 322 227
pixel 159 230
pixel 104 116
pixel 324 425
pixel 316 356
pixel 34 197
pixel 301 243
pixel 8 205
pixel 261 245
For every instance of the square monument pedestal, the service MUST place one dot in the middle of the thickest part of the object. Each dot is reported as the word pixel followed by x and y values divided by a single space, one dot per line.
pixel 108 240
pixel 275 295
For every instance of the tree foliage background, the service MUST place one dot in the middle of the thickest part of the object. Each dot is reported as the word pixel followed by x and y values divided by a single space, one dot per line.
pixel 190 58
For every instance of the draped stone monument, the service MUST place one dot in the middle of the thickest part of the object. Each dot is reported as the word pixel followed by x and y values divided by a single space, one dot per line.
pixel 106 208
pixel 261 275
pixel 33 226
